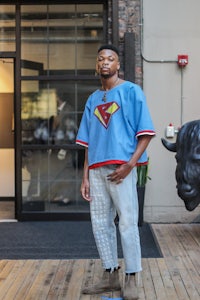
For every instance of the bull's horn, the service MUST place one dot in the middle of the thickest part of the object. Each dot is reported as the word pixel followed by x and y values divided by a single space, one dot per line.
pixel 169 146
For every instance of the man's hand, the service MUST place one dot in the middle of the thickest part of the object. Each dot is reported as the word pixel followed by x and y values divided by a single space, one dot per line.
pixel 120 173
pixel 85 189
pixel 123 170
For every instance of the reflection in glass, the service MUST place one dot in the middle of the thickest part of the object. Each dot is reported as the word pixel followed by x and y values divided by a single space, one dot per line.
pixel 37 107
pixel 61 37
pixel 7 28
pixel 51 112
pixel 51 179
pixel 52 174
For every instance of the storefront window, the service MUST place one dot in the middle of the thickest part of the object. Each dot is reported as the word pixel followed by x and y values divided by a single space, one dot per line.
pixel 52 50
pixel 62 38
pixel 51 181
pixel 51 162
pixel 40 104
pixel 7 28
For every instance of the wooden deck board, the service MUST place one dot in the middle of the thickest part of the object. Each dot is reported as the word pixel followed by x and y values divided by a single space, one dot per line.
pixel 20 281
pixel 173 277
pixel 26 282
pixel 167 280
pixel 147 281
pixel 41 284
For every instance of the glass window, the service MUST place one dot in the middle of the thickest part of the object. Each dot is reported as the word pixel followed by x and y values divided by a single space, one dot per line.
pixel 63 38
pixel 50 115
pixel 51 111
pixel 7 28
pixel 56 40
pixel 51 181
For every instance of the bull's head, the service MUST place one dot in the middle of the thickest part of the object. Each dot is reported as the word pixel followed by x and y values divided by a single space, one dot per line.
pixel 187 148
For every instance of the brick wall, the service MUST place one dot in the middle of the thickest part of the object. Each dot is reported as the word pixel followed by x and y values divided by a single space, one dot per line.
pixel 130 21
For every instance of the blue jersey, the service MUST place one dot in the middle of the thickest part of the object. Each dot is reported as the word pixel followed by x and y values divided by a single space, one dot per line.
pixel 110 129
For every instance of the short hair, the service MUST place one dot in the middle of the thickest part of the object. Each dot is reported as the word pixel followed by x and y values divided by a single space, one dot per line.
pixel 110 47
pixel 61 96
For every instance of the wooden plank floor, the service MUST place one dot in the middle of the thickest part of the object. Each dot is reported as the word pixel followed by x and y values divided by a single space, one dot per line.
pixel 175 276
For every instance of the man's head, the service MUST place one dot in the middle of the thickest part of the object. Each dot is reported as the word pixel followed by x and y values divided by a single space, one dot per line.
pixel 107 63
pixel 109 47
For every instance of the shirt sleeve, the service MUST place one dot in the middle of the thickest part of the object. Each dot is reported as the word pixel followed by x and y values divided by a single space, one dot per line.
pixel 82 137
pixel 141 120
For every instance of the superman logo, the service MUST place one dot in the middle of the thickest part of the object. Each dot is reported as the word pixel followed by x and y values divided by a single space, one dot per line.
pixel 105 111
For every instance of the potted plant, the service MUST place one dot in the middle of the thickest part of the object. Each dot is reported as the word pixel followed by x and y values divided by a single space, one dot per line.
pixel 142 174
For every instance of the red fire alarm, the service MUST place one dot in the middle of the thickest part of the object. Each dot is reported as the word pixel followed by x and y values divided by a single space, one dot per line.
pixel 182 60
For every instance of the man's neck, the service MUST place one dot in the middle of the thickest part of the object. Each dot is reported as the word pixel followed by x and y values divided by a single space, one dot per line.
pixel 60 107
pixel 109 83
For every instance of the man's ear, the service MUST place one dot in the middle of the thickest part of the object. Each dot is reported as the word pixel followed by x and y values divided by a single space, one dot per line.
pixel 118 67
pixel 96 69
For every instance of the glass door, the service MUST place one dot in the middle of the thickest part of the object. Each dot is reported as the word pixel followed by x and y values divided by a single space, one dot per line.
pixel 58 53
pixel 7 148
pixel 52 164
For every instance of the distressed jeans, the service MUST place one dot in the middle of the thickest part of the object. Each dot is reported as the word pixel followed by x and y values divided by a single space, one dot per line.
pixel 109 198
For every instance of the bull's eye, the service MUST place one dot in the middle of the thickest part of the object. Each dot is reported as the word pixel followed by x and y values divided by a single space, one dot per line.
pixel 196 155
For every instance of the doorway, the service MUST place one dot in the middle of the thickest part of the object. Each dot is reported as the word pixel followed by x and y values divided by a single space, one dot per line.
pixel 7 138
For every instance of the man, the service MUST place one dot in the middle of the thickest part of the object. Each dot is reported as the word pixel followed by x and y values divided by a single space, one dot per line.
pixel 63 131
pixel 115 129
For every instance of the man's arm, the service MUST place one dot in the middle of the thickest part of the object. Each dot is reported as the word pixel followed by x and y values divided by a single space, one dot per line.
pixel 85 185
pixel 143 142
pixel 123 170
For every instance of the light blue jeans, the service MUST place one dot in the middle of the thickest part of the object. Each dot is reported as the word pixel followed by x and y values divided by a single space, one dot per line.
pixel 108 199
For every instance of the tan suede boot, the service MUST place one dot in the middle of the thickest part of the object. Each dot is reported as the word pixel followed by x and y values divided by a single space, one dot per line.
pixel 109 282
pixel 130 291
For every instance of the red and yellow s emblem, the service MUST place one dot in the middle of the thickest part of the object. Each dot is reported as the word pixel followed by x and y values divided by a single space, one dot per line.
pixel 105 111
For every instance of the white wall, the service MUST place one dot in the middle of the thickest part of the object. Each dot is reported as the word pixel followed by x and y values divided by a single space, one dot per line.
pixel 169 28
pixel 7 168
pixel 7 171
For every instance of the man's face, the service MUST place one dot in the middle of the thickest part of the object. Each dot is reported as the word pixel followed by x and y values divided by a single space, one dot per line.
pixel 107 63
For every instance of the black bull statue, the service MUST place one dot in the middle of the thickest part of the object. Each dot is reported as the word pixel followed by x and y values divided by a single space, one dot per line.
pixel 187 148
